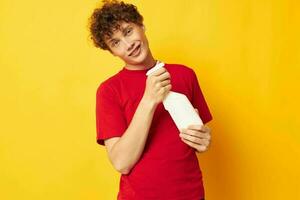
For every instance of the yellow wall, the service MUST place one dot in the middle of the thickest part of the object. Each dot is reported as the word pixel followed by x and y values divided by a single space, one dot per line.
pixel 247 58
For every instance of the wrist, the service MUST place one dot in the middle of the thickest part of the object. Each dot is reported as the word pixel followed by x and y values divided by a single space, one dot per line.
pixel 147 103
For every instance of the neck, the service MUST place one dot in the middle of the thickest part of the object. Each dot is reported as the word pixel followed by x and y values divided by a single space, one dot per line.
pixel 146 64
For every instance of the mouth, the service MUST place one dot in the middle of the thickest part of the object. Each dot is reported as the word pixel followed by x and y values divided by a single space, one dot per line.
pixel 136 51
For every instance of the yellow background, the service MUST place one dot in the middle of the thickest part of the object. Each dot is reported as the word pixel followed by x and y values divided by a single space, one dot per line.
pixel 246 55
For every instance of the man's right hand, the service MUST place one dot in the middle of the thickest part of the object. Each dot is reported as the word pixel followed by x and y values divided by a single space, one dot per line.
pixel 158 85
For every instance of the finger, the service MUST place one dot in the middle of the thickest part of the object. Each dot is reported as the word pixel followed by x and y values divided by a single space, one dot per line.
pixel 164 76
pixel 197 111
pixel 195 127
pixel 158 72
pixel 195 133
pixel 199 148
pixel 195 140
pixel 190 143
pixel 167 88
pixel 205 129
pixel 201 128
pixel 165 83
pixel 202 149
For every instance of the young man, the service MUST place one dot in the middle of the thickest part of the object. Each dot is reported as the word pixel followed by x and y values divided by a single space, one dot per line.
pixel 155 159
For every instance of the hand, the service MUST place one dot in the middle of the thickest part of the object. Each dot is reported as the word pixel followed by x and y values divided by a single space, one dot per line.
pixel 158 85
pixel 196 136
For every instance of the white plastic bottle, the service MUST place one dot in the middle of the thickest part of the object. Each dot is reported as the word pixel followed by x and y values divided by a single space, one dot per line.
pixel 179 106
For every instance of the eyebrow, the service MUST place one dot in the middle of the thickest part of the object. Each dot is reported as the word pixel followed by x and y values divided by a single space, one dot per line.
pixel 110 40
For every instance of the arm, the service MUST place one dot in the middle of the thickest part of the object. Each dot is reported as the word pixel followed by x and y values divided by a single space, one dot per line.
pixel 197 136
pixel 124 152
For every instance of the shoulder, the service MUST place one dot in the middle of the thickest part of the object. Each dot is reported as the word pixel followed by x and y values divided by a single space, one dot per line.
pixel 181 69
pixel 110 84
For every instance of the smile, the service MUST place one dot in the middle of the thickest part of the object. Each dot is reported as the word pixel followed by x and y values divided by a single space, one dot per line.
pixel 136 51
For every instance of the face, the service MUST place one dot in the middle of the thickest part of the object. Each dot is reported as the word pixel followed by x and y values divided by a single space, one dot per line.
pixel 129 43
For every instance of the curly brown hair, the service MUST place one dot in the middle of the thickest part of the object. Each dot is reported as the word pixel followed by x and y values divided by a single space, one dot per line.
pixel 106 19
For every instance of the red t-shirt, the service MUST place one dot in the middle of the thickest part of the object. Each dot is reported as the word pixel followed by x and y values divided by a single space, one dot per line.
pixel 168 168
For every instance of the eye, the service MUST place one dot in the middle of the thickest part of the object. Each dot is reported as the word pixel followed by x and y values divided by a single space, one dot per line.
pixel 128 31
pixel 115 43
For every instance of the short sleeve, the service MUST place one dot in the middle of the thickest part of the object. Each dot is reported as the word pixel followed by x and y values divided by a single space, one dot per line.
pixel 110 121
pixel 198 100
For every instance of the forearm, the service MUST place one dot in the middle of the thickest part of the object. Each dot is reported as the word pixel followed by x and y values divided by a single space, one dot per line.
pixel 127 151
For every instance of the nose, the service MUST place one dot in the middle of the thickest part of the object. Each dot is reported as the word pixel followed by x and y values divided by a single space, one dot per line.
pixel 129 45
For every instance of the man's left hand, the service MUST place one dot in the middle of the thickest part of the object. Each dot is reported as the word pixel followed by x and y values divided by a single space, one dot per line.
pixel 196 136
